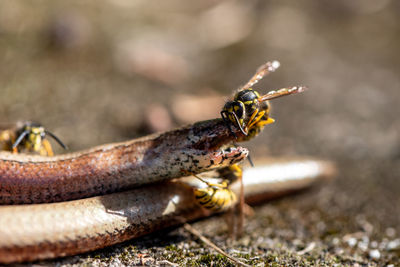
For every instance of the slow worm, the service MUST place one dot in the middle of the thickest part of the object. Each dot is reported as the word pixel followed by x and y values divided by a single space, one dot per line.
pixel 48 230
pixel 118 166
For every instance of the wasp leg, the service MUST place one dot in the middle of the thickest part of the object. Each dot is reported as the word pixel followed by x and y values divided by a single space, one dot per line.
pixel 241 206
pixel 238 172
pixel 235 216
pixel 222 185
pixel 233 173
pixel 230 220
pixel 46 150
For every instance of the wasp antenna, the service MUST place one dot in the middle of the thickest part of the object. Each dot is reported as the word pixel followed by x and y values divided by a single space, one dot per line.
pixel 57 139
pixel 20 138
pixel 237 122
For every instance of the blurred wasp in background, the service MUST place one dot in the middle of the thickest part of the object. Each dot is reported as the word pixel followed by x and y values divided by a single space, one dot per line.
pixel 28 137
pixel 249 111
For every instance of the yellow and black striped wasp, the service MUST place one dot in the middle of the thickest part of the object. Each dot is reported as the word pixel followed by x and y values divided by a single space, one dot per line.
pixel 249 111
pixel 28 137
pixel 218 196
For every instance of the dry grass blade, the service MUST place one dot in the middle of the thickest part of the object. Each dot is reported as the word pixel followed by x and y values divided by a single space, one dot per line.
pixel 194 232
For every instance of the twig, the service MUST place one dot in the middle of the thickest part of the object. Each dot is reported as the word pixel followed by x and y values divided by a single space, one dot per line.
pixel 167 262
pixel 208 242
pixel 309 248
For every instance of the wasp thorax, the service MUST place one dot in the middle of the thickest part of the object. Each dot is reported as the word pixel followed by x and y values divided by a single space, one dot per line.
pixel 247 95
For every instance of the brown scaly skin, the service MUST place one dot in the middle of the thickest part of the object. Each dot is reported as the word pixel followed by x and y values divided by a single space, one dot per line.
pixel 41 231
pixel 115 167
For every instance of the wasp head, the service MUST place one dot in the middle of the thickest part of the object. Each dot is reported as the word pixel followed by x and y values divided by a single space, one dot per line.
pixel 35 137
pixel 249 98
pixel 234 112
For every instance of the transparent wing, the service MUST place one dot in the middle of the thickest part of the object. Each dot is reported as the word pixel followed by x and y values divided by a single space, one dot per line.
pixel 282 92
pixel 263 70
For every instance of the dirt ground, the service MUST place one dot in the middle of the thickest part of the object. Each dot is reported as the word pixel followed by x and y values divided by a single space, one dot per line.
pixel 95 72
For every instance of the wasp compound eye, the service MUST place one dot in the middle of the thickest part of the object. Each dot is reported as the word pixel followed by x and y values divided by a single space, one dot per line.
pixel 234 113
pixel 239 109
pixel 265 106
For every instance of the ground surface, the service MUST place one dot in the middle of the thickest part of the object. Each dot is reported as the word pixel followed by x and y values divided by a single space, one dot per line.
pixel 103 72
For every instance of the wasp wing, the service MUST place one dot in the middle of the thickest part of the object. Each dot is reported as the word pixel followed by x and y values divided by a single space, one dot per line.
pixel 282 92
pixel 262 71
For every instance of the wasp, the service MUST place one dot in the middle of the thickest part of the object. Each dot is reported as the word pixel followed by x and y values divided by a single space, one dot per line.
pixel 218 196
pixel 28 137
pixel 249 111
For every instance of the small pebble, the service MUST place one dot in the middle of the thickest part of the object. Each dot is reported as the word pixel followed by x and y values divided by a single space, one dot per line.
pixel 363 246
pixel 339 251
pixel 335 241
pixel 374 254
pixel 352 242
pixel 393 245
pixel 116 262
pixel 390 232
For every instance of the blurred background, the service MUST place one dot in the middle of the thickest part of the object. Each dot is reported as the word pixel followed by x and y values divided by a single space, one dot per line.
pixel 97 72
